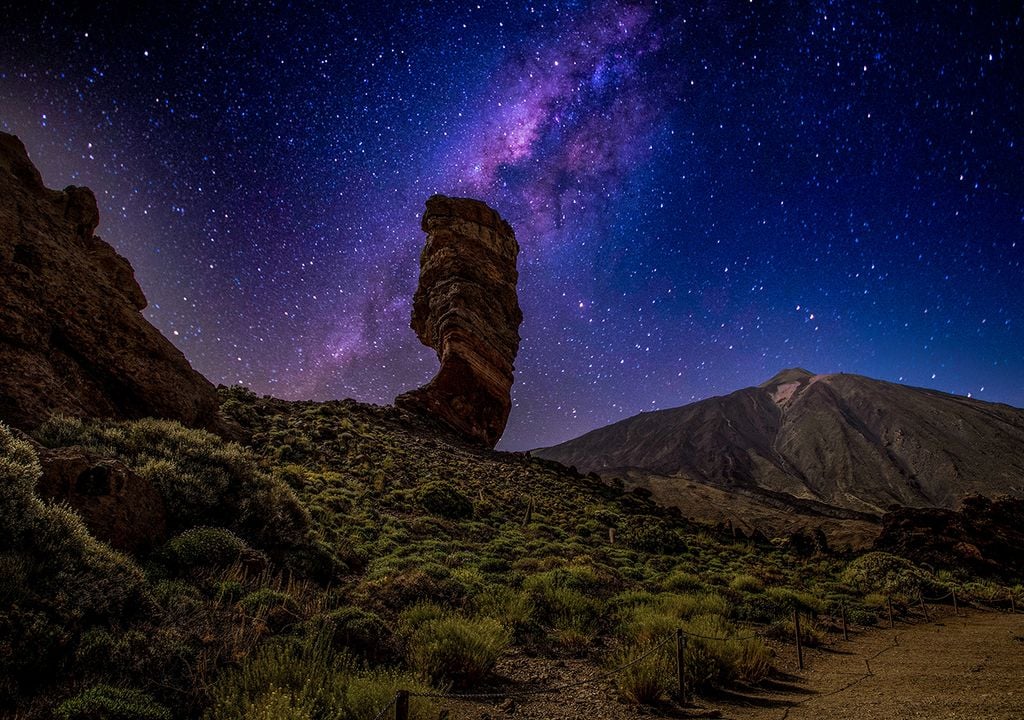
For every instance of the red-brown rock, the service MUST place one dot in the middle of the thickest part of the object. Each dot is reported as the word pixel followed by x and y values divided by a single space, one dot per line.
pixel 72 336
pixel 467 309
pixel 116 505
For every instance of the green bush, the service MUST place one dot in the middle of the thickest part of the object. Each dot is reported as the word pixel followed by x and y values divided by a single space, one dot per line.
pixel 104 702
pixel 720 662
pixel 777 603
pixel 457 649
pixel 649 674
pixel 308 680
pixel 277 608
pixel 568 599
pixel 746 584
pixel 444 499
pixel 206 547
pixel 512 608
pixel 687 605
pixel 887 574
pixel 651 534
pixel 361 632
pixel 682 582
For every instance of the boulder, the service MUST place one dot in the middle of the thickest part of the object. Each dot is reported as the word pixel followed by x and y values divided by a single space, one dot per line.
pixel 116 505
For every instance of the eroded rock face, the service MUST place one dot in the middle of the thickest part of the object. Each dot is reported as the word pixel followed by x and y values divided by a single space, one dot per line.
pixel 116 505
pixel 466 308
pixel 72 336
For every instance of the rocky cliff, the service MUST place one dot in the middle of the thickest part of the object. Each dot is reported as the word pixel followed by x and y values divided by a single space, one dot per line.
pixel 72 336
pixel 466 308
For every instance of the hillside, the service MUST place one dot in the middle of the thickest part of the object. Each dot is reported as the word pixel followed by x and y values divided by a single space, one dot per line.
pixel 381 534
pixel 820 445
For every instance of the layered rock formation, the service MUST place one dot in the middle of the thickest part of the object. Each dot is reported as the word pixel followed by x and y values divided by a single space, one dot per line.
pixel 72 336
pixel 466 308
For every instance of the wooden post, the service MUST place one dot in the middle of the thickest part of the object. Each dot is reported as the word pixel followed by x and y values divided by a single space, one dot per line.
pixel 956 607
pixel 799 647
pixel 681 664
pixel 529 514
pixel 611 536
pixel 402 705
pixel 924 608
pixel 889 603
pixel 1013 603
pixel 846 632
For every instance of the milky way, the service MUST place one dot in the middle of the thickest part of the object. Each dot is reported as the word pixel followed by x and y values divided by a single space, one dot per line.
pixel 703 196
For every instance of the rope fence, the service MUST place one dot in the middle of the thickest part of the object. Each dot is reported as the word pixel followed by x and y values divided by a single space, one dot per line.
pixel 681 637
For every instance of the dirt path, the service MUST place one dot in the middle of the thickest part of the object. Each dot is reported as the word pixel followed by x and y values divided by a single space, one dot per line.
pixel 969 667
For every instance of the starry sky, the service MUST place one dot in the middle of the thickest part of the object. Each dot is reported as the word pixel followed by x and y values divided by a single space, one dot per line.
pixel 704 193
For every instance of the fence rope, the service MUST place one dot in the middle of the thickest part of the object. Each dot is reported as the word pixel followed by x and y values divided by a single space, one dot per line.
pixel 937 599
pixel 383 710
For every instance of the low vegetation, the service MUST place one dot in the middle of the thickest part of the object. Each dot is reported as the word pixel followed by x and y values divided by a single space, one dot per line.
pixel 345 551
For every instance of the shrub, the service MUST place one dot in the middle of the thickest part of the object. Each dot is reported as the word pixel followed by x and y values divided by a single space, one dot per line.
pixel 370 691
pixel 103 702
pixel 567 598
pixel 746 584
pixel 290 679
pixel 687 605
pixel 887 574
pixel 444 499
pixel 680 581
pixel 512 608
pixel 267 597
pixel 360 631
pixel 297 680
pixel 777 603
pixel 785 630
pixel 722 661
pixel 651 534
pixel 102 650
pixel 456 648
pixel 206 547
pixel 648 675
pixel 644 624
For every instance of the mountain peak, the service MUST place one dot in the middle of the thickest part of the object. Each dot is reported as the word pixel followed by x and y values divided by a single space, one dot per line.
pixel 794 374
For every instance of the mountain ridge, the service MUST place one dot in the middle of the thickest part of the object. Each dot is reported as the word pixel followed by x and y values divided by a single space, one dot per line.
pixel 842 440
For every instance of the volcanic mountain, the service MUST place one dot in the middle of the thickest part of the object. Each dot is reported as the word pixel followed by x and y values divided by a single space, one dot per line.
pixel 833 446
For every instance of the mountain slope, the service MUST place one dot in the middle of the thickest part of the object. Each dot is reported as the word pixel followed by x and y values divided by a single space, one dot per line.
pixel 842 441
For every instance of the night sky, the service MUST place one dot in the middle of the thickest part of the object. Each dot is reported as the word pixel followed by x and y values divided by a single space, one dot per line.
pixel 703 196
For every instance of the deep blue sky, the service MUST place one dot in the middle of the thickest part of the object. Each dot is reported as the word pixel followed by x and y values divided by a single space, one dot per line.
pixel 702 196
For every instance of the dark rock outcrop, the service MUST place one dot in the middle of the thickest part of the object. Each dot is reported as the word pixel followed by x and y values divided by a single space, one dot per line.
pixel 72 336
pixel 984 536
pixel 116 505
pixel 466 308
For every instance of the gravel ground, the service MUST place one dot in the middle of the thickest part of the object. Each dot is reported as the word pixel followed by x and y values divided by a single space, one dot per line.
pixel 968 667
